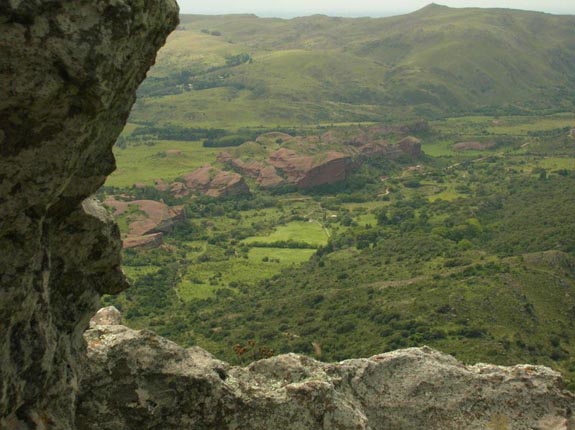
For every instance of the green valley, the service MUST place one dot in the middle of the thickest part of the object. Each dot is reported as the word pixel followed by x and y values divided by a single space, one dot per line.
pixel 343 187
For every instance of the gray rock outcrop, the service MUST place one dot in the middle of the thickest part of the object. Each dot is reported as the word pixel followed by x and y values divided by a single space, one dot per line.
pixel 138 380
pixel 109 315
pixel 68 75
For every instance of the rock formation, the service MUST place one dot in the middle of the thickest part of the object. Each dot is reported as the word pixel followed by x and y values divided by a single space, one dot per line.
pixel 269 178
pixel 215 183
pixel 138 380
pixel 147 241
pixel 107 316
pixel 147 225
pixel 311 171
pixel 311 161
pixel 411 146
pixel 68 75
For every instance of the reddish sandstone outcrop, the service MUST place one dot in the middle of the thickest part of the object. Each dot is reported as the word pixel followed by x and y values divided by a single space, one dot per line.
pixel 178 189
pixel 148 241
pixel 227 184
pixel 304 161
pixel 250 168
pixel 291 163
pixel 161 185
pixel 269 178
pixel 411 146
pixel 333 167
pixel 152 216
pixel 266 175
pixel 308 171
pixel 215 183
pixel 224 157
pixel 148 224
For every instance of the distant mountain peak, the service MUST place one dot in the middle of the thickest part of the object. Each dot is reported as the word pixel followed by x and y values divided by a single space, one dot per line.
pixel 433 7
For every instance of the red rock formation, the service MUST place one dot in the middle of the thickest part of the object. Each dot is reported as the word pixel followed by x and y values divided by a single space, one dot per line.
pixel 148 241
pixel 410 146
pixel 269 178
pixel 308 171
pixel 199 179
pixel 249 168
pixel 333 168
pixel 215 183
pixel 227 184
pixel 161 185
pixel 224 157
pixel 153 216
pixel 178 189
pixel 291 163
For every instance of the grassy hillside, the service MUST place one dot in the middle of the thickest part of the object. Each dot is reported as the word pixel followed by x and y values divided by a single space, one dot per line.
pixel 241 70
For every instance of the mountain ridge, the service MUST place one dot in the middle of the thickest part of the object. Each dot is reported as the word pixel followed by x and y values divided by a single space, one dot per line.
pixel 435 62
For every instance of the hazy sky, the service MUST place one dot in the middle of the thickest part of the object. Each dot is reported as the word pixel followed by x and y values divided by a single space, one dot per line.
pixel 289 8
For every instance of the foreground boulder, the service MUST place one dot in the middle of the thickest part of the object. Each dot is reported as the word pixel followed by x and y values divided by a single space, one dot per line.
pixel 138 380
pixel 68 75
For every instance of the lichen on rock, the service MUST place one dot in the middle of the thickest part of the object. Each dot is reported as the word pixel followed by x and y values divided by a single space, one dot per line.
pixel 136 379
pixel 68 75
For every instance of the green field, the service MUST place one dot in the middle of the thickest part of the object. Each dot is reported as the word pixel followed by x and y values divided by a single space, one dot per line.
pixel 262 263
pixel 309 232
pixel 143 164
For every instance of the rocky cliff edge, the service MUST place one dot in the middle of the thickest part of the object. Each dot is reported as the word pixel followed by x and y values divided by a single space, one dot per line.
pixel 138 380
pixel 68 76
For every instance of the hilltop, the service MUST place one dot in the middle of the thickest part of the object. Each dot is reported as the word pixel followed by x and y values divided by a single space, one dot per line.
pixel 238 70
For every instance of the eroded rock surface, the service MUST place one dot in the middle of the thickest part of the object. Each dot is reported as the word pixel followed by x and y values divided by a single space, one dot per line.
pixel 138 380
pixel 215 183
pixel 148 221
pixel 68 75
pixel 109 315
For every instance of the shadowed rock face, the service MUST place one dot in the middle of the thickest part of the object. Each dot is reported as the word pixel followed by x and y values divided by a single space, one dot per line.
pixel 138 380
pixel 68 75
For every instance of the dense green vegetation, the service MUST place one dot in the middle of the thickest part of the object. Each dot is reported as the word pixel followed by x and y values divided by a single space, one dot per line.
pixel 471 252
pixel 469 249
